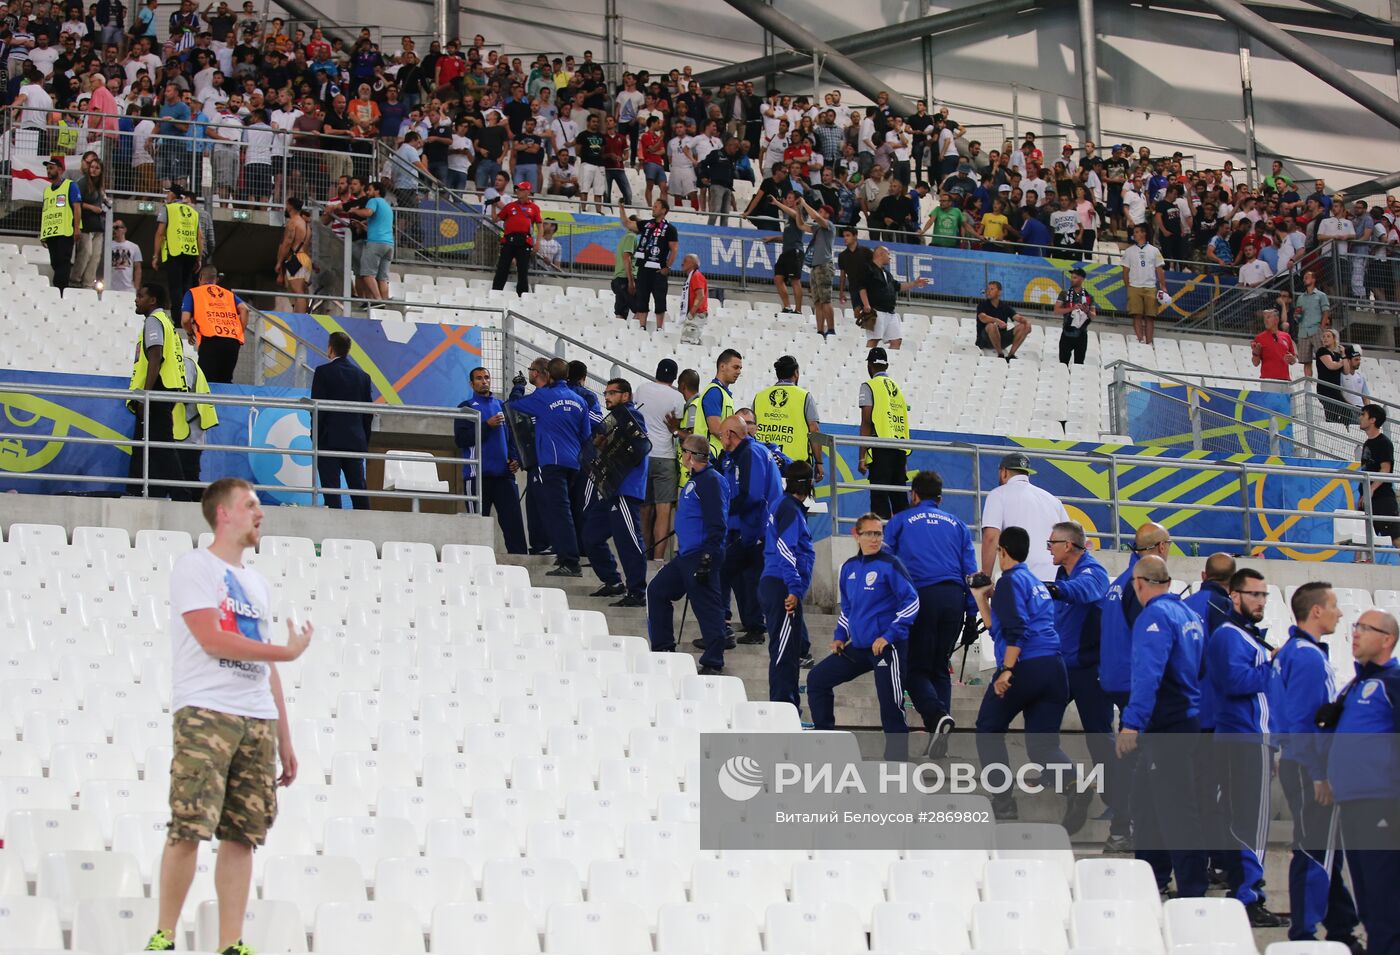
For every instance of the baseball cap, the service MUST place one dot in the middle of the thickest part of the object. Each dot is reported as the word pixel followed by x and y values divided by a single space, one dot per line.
pixel 1016 461
pixel 877 356
pixel 54 161
pixel 523 185
pixel 1004 187
pixel 1352 351
pixel 666 370
pixel 1079 272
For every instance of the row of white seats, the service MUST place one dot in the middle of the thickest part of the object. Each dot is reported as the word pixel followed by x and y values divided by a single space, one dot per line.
pixel 114 926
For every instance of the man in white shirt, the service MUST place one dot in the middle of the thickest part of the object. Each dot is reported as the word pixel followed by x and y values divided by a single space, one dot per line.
pixel 661 406
pixel 1019 503
pixel 1145 275
pixel 230 719
pixel 1254 271
pixel 1033 183
pixel 563 129
pixel 124 270
pixel 1336 228
pixel 1135 201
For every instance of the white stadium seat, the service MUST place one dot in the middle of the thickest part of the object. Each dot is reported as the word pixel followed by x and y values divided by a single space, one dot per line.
pixel 309 881
pixel 597 928
pixel 829 928
pixel 424 884
pixel 270 925
pixel 1024 925
pixel 1206 921
pixel 692 928
pixel 367 926
pixel 29 922
pixel 501 928
pixel 931 925
pixel 1114 923
pixel 70 877
pixel 113 926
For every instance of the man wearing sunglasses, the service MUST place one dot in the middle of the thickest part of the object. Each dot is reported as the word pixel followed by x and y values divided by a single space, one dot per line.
pixel 1163 716
pixel 1240 680
pixel 701 517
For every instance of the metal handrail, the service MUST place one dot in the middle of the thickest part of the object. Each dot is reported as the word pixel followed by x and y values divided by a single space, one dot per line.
pixel 316 406
pixel 1115 464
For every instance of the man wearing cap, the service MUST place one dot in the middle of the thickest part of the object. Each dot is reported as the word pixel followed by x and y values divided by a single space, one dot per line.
pixel 1019 503
pixel 60 221
pixel 520 220
pixel 786 416
pixel 661 406
pixel 884 413
pixel 1077 306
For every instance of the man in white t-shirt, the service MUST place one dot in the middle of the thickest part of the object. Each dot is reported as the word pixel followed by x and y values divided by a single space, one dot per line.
pixel 230 720
pixel 124 271
pixel 1019 503
pixel 661 406
pixel 1145 275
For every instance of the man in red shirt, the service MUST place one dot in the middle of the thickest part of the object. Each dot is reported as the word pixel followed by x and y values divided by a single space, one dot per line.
pixel 520 220
pixel 1273 351
pixel 695 300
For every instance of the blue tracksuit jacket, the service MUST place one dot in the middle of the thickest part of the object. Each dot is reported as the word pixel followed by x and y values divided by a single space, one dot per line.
pixel 877 600
pixel 1360 765
pixel 787 547
pixel 1212 604
pixel 701 514
pixel 590 401
pixel 1303 684
pixel 497 447
pixel 755 488
pixel 1239 677
pixel 935 546
pixel 635 483
pixel 1167 644
pixel 1078 611
pixel 1023 615
pixel 1116 632
pixel 562 425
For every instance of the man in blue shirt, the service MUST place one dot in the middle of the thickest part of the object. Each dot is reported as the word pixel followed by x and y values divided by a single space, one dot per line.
pixel 878 603
pixel 788 559
pixel 1316 890
pixel 1363 777
pixel 1163 714
pixel 1080 583
pixel 694 572
pixel 1239 675
pixel 755 488
pixel 937 549
pixel 583 492
pixel 1030 679
pixel 173 162
pixel 618 515
pixel 372 271
pixel 562 428
pixel 498 460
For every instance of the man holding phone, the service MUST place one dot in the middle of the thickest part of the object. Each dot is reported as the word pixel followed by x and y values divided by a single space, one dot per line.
pixel 1273 351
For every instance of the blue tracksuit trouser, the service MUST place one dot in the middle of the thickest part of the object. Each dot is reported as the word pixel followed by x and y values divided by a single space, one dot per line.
pixel 932 637
pixel 786 644
pixel 1166 804
pixel 500 494
pixel 1374 872
pixel 677 580
pixel 1039 693
pixel 1118 777
pixel 1096 717
pixel 1315 894
pixel 890 670
pixel 618 518
pixel 1246 779
pixel 743 565
pixel 549 488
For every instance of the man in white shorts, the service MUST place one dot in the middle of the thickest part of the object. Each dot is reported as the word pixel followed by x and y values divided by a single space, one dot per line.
pixel 230 720
pixel 880 293
pixel 683 184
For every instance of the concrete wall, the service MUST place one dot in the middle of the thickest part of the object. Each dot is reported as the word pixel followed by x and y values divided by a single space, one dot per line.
pixel 1166 80
pixel 136 514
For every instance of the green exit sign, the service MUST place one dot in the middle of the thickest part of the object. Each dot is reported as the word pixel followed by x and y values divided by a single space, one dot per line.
pixel 241 215
pixel 145 206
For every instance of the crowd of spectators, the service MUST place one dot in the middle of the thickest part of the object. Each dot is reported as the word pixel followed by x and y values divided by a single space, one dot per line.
pixel 225 84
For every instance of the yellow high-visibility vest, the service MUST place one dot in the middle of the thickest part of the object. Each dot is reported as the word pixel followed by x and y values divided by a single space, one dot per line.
pixel 889 416
pixel 172 378
pixel 181 231
pixel 56 219
pixel 702 426
pixel 781 414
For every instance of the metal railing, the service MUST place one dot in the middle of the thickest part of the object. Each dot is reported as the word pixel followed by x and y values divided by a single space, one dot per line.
pixel 1123 509
pixel 142 484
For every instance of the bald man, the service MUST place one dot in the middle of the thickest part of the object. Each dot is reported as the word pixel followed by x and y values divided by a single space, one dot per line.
pixel 1163 712
pixel 755 490
pixel 1363 776
pixel 1212 604
pixel 695 300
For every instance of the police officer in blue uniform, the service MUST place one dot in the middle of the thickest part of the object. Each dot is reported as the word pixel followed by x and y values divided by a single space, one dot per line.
pixel 1239 680
pixel 755 489
pixel 788 559
pixel 1163 717
pixel 1030 679
pixel 496 481
pixel 1363 777
pixel 937 549
pixel 1117 612
pixel 1213 605
pixel 1316 892
pixel 582 492
pixel 701 514
pixel 562 429
pixel 619 516
pixel 878 603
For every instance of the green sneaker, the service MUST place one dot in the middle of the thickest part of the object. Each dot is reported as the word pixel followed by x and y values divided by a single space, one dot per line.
pixel 238 948
pixel 161 941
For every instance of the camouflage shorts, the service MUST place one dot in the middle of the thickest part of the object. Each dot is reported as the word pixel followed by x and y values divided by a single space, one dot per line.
pixel 223 777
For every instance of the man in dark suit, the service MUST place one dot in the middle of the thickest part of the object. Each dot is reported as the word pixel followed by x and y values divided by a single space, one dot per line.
pixel 339 380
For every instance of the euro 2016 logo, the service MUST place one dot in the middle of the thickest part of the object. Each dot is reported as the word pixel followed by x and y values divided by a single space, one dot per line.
pixel 740 778
pixel 778 398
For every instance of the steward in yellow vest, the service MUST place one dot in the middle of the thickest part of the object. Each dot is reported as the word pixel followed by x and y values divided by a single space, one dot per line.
pixel 786 415
pixel 179 245
pixel 884 414
pixel 60 220
pixel 714 403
